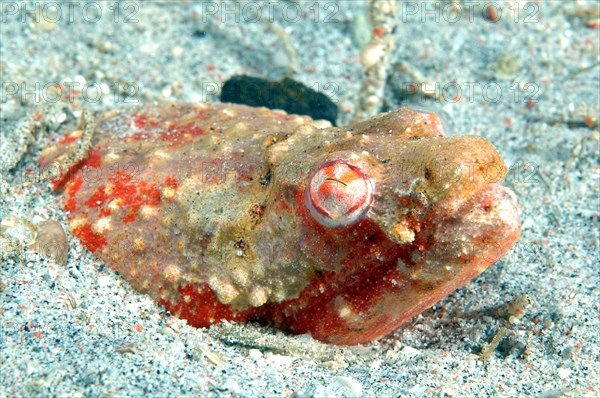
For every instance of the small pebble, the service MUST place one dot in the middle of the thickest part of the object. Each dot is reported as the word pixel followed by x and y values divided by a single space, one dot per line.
pixel 491 13
pixel 231 385
pixel 418 391
pixel 177 52
pixel 103 281
pixel 52 241
pixel 564 373
pixel 410 352
pixel 255 354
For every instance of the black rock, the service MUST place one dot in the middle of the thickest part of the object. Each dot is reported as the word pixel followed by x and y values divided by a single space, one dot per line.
pixel 287 94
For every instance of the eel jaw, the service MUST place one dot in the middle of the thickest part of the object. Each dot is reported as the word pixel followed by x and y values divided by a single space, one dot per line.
pixel 450 250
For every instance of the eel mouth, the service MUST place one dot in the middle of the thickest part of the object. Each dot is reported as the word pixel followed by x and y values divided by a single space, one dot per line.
pixel 473 234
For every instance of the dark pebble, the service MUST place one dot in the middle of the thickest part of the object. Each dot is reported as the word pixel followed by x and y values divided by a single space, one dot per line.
pixel 287 94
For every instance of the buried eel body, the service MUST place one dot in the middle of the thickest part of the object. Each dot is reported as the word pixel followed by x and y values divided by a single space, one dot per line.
pixel 227 212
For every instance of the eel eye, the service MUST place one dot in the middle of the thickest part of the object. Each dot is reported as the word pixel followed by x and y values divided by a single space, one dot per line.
pixel 338 194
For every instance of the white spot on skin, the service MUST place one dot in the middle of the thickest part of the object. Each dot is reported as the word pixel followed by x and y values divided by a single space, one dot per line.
pixel 78 222
pixel 167 193
pixel 172 273
pixel 148 211
pixel 139 243
pixel 224 290
pixel 102 225
pixel 114 204
pixel 228 112
pixel 403 233
pixel 161 154
pixel 344 310
pixel 240 276
pixel 257 297
pixel 239 127
pixel 321 124
pixel 111 157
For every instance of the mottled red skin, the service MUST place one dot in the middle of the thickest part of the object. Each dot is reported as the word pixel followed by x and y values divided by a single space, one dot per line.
pixel 369 288
pixel 363 279
pixel 363 287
